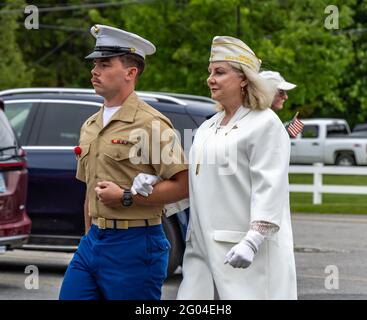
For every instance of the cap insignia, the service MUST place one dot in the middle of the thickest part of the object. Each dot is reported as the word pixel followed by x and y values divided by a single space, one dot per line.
pixel 95 29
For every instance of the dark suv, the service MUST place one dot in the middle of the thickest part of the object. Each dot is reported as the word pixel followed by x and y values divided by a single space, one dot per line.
pixel 15 225
pixel 47 122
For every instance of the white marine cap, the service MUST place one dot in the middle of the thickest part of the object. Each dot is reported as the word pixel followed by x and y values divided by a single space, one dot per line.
pixel 111 42
pixel 278 80
pixel 225 48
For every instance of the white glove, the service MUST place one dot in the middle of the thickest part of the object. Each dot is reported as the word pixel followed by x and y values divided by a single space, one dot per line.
pixel 143 184
pixel 242 254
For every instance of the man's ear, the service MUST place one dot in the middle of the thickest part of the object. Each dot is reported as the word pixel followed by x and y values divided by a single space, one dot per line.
pixel 132 73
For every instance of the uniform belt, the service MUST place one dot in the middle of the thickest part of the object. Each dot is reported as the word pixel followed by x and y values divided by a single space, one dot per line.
pixel 103 223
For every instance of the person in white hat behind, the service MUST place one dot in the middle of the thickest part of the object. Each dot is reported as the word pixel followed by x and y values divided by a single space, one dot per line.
pixel 124 254
pixel 239 237
pixel 282 87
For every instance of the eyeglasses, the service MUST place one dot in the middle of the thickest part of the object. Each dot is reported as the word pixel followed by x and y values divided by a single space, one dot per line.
pixel 282 92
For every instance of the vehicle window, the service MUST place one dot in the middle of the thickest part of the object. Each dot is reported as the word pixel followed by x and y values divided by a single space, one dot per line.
pixel 201 119
pixel 360 127
pixel 334 130
pixel 17 114
pixel 8 140
pixel 61 123
pixel 310 131
pixel 181 121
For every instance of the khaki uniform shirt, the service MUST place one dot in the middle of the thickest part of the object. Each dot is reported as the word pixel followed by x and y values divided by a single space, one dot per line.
pixel 137 139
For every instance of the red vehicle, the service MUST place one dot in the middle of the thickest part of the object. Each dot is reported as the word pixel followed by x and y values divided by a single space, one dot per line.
pixel 15 225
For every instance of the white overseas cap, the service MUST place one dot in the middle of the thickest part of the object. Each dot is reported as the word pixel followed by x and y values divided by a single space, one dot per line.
pixel 225 48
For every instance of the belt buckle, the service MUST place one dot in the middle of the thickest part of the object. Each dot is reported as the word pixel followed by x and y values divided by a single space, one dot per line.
pixel 124 224
pixel 101 223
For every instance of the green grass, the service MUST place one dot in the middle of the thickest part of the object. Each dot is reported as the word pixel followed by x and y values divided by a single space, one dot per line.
pixel 329 179
pixel 331 203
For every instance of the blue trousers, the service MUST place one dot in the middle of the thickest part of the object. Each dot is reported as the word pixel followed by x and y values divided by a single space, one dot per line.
pixel 118 264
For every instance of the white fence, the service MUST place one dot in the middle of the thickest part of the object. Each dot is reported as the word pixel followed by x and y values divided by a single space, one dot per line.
pixel 317 188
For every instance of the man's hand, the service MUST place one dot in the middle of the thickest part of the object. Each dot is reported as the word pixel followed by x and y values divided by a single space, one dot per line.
pixel 242 254
pixel 143 184
pixel 109 193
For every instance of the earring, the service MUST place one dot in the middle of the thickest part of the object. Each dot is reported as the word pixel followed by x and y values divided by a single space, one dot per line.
pixel 243 90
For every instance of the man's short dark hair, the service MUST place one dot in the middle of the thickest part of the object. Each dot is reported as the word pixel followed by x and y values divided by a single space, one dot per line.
pixel 133 60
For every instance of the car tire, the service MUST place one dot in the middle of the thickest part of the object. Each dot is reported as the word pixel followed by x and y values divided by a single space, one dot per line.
pixel 173 234
pixel 345 159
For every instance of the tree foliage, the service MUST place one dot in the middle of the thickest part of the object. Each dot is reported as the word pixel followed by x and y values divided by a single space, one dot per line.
pixel 13 70
pixel 328 66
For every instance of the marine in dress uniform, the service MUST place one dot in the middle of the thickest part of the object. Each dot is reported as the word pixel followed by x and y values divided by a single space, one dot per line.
pixel 124 255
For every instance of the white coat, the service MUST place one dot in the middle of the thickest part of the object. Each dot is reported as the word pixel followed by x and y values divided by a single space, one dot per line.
pixel 237 175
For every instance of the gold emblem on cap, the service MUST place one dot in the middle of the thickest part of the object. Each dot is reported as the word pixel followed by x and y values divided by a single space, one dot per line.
pixel 132 50
pixel 95 29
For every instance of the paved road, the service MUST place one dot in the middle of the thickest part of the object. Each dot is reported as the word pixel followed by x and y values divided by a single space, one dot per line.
pixel 331 240
pixel 336 242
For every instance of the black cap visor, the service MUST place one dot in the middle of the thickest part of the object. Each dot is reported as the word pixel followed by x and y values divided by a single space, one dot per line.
pixel 108 51
pixel 102 54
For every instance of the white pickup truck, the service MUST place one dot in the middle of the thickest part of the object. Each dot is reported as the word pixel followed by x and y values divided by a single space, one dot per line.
pixel 328 141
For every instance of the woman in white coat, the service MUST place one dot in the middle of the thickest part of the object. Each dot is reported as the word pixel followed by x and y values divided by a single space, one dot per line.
pixel 239 236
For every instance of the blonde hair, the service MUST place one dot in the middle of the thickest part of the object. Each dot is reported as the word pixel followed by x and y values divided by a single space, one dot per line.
pixel 258 93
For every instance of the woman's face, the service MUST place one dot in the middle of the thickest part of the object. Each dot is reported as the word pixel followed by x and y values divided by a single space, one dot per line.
pixel 224 82
pixel 279 99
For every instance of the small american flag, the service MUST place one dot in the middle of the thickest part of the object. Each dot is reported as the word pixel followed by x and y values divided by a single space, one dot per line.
pixel 295 126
